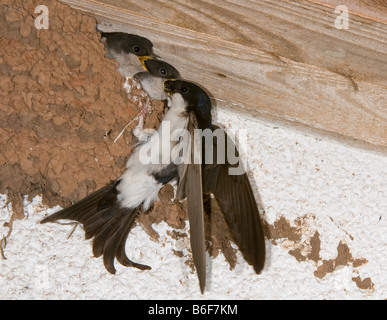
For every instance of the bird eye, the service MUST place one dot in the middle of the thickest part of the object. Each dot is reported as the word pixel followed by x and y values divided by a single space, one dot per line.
pixel 136 49
pixel 163 71
pixel 183 89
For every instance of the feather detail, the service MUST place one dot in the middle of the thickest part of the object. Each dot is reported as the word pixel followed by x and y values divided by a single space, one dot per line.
pixel 104 219
pixel 237 202
pixel 191 183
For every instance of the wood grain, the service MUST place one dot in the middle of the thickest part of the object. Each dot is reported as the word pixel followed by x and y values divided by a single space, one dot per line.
pixel 281 60
pixel 371 9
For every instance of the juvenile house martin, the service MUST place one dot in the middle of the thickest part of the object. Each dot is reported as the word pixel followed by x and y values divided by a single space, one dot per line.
pixel 126 49
pixel 129 50
pixel 152 80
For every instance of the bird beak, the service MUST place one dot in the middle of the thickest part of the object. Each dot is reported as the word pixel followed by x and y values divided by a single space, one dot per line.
pixel 169 86
pixel 143 59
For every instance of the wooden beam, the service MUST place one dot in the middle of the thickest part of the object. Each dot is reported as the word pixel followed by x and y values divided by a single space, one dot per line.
pixel 370 9
pixel 281 60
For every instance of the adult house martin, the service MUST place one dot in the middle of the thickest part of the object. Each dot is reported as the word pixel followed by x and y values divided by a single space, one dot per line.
pixel 232 191
pixel 108 214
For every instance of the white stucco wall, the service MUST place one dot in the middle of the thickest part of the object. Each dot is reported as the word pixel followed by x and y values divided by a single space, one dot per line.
pixel 322 185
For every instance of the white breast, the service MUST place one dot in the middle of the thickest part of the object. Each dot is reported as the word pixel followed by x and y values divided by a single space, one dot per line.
pixel 138 185
pixel 129 63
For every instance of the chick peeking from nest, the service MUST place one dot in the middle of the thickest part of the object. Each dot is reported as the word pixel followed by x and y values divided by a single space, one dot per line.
pixel 142 70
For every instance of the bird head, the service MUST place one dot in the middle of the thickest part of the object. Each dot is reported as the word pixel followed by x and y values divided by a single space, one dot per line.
pixel 159 68
pixel 152 79
pixel 194 97
pixel 128 43
pixel 138 45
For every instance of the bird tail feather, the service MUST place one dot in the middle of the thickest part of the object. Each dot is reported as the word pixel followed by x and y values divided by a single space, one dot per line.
pixel 104 219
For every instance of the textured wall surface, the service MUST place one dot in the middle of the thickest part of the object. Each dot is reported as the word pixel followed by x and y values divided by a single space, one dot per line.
pixel 325 210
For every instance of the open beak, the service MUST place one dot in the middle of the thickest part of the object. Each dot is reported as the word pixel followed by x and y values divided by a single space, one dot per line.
pixel 169 86
pixel 143 59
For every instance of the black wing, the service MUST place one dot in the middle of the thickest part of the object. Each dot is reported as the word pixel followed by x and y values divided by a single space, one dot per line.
pixel 104 219
pixel 190 186
pixel 236 200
